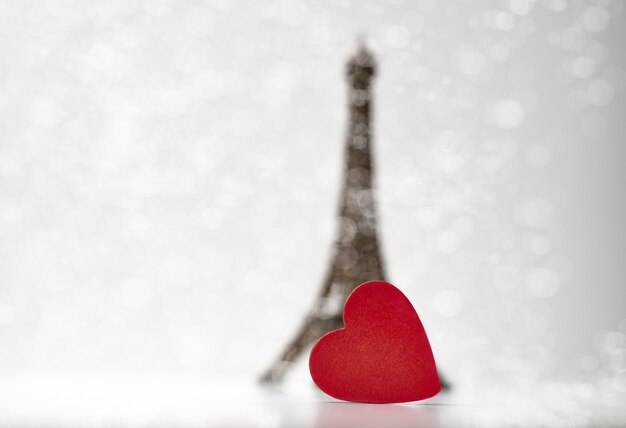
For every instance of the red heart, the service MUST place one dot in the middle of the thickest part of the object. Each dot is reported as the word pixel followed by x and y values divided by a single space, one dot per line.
pixel 382 354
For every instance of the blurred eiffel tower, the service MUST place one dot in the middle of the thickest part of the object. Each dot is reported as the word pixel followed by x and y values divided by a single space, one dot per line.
pixel 356 256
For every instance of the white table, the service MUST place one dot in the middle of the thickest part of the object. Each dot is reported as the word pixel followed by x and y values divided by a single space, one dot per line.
pixel 137 401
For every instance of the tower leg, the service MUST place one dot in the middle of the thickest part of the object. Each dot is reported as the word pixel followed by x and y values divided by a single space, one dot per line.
pixel 312 329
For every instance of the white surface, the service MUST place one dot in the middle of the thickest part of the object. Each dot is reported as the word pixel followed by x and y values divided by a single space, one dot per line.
pixel 160 401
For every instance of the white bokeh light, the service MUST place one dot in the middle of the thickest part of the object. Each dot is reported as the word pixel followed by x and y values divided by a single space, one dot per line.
pixel 540 245
pixel 521 7
pixel 600 92
pixel 596 19
pixel 543 283
pixel 535 212
pixel 507 114
pixel 583 67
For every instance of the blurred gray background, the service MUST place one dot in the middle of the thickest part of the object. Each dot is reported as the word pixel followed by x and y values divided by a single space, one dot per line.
pixel 169 175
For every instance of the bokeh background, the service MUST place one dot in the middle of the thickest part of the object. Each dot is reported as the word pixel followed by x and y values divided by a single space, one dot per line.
pixel 170 171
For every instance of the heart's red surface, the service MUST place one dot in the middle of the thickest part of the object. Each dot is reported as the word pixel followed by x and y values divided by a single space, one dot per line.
pixel 382 354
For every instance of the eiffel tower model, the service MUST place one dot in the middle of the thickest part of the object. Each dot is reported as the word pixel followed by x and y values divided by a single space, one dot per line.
pixel 356 255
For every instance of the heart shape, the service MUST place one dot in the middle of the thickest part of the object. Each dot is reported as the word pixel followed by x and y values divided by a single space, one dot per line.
pixel 382 354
